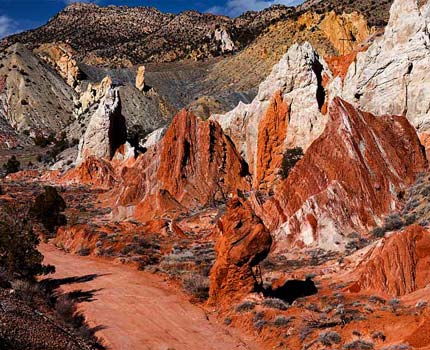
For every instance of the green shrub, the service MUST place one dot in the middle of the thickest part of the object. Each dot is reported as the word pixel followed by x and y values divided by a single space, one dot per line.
pixel 245 306
pixel 19 257
pixel 291 157
pixel 48 208
pixel 12 166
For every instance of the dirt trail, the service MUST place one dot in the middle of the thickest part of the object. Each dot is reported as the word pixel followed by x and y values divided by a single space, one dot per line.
pixel 138 309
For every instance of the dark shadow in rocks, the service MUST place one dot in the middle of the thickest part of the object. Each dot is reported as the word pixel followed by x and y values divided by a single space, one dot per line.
pixel 292 290
pixel 50 284
pixel 117 130
pixel 81 296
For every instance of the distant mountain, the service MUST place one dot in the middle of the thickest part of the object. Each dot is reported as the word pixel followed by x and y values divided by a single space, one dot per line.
pixel 124 36
pixel 127 35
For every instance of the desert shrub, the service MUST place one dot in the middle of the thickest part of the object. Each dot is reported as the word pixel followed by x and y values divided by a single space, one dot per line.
pixel 304 332
pixel 19 257
pixel 281 321
pixel 197 285
pixel 394 304
pixel 401 346
pixel 378 335
pixel 65 308
pixel 42 141
pixel 289 160
pixel 378 232
pixel 275 303
pixel 48 208
pixel 84 251
pixel 359 345
pixel 260 324
pixel 421 304
pixel 228 321
pixel 393 222
pixel 329 338
pixel 374 299
pixel 245 306
pixel 12 166
pixel 258 316
pixel 26 290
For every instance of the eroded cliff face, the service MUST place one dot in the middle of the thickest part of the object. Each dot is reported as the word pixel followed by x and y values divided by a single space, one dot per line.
pixel 392 76
pixel 193 165
pixel 349 177
pixel 33 97
pixel 243 242
pixel 298 80
pixel 397 265
pixel 61 57
pixel 272 132
pixel 106 131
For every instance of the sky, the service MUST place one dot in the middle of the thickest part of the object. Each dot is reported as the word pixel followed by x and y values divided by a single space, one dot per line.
pixel 20 15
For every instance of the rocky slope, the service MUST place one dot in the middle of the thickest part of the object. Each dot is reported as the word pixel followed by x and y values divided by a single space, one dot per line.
pixel 298 79
pixel 108 35
pixel 193 166
pixel 330 33
pixel 397 265
pixel 392 75
pixel 350 176
pixel 128 35
pixel 33 97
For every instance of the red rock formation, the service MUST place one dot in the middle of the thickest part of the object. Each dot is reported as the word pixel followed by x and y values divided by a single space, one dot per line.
pixel 272 131
pixel 194 165
pixel 350 176
pixel 243 243
pixel 339 64
pixel 398 265
pixel 92 171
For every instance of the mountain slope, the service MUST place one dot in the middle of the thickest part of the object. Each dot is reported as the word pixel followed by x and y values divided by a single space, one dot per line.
pixel 130 35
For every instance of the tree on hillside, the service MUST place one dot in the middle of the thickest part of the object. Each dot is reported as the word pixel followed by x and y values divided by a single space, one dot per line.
pixel 12 166
pixel 47 209
pixel 19 257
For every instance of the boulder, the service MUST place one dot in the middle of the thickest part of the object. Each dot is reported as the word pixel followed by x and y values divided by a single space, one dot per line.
pixel 243 242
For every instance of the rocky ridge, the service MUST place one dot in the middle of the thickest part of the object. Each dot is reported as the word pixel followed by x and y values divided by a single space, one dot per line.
pixel 298 79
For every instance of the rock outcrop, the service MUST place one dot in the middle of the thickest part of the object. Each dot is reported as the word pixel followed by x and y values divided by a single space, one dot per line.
pixel 140 78
pixel 393 75
pixel 398 265
pixel 61 57
pixel 243 242
pixel 223 38
pixel 194 165
pixel 106 131
pixel 32 96
pixel 298 81
pixel 349 177
pixel 92 95
pixel 272 132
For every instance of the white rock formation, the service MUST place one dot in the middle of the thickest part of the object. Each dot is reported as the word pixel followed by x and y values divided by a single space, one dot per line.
pixel 224 39
pixel 140 78
pixel 153 138
pixel 106 130
pixel 298 76
pixel 393 75
pixel 93 94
